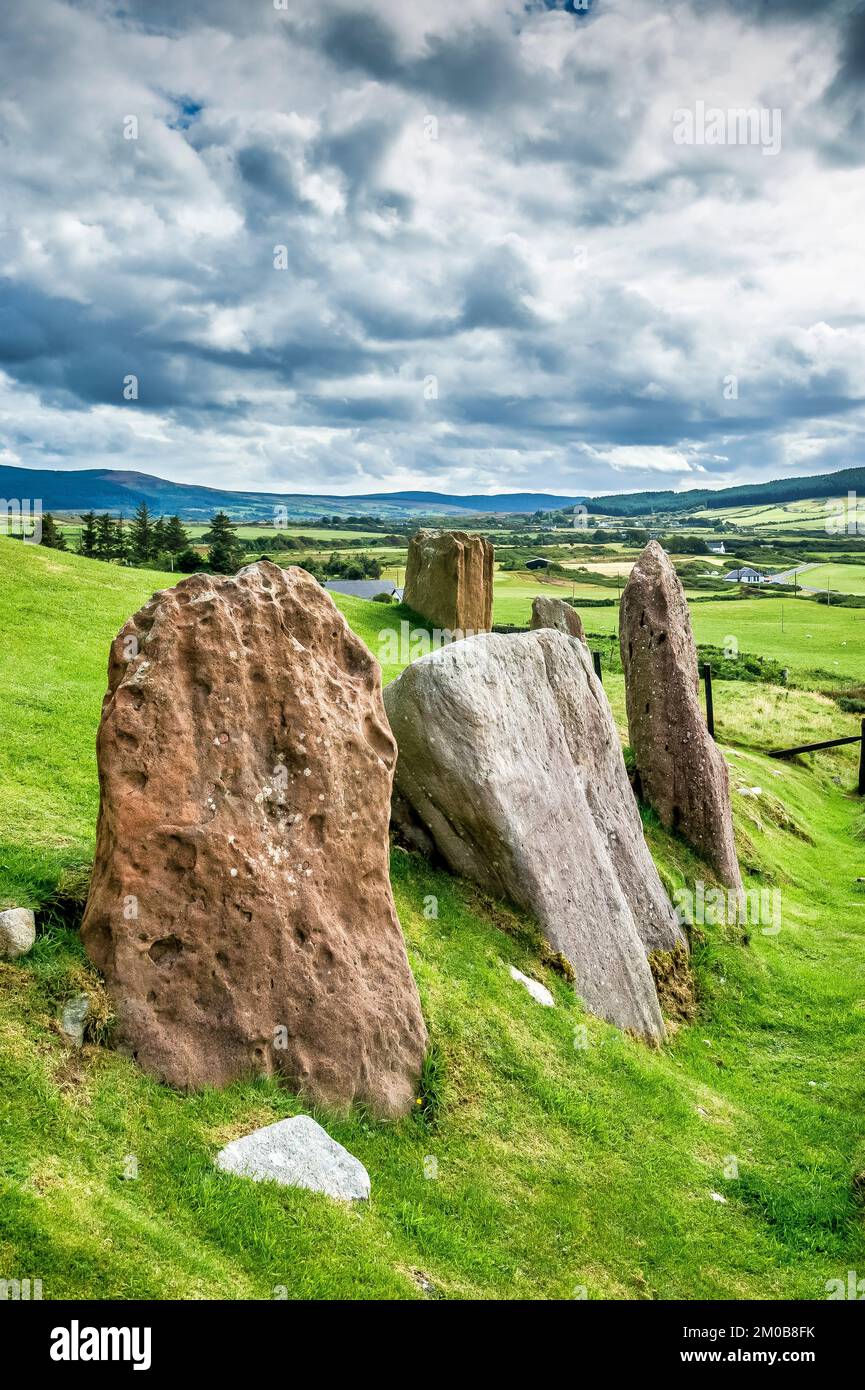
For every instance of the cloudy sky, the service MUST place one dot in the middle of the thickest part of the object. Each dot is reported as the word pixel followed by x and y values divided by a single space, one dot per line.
pixel 469 245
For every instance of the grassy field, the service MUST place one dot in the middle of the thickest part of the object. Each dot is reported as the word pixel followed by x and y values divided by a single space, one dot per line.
pixel 846 579
pixel 560 1170
pixel 803 515
pixel 803 635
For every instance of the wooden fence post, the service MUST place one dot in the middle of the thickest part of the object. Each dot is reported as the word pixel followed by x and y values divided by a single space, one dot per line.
pixel 862 762
pixel 710 708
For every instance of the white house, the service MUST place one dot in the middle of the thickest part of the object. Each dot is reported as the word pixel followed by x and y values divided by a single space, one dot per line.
pixel 745 575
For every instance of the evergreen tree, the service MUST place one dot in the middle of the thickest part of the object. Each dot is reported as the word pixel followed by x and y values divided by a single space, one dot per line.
pixel 87 543
pixel 176 539
pixel 140 540
pixel 160 530
pixel 224 553
pixel 52 536
pixel 121 541
pixel 104 544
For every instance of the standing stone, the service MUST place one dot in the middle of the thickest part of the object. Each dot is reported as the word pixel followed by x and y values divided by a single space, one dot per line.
pixel 449 580
pixel 555 613
pixel 681 769
pixel 510 760
pixel 240 906
pixel 17 932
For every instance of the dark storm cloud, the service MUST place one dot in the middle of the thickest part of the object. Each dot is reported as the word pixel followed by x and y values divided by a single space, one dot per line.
pixel 476 71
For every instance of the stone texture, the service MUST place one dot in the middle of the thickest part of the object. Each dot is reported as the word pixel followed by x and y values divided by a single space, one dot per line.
pixel 510 761
pixel 297 1153
pixel 17 932
pixel 555 613
pixel 539 992
pixel 73 1021
pixel 240 906
pixel 681 770
pixel 449 580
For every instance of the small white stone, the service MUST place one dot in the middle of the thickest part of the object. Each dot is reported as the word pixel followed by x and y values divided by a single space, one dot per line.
pixel 539 992
pixel 17 932
pixel 233 873
pixel 716 1197
pixel 297 1153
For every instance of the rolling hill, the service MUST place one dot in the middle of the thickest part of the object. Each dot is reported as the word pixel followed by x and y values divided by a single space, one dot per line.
pixel 105 489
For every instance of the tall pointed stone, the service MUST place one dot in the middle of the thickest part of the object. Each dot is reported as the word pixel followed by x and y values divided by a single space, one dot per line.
pixel 681 769
pixel 240 907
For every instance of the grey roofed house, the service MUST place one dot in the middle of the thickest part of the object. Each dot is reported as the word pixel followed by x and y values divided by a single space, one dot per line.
pixel 364 588
pixel 745 575
pixel 716 547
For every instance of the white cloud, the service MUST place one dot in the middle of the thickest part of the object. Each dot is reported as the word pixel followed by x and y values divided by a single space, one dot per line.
pixel 581 287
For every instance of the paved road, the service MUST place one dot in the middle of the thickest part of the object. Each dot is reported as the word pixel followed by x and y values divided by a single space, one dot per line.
pixel 787 577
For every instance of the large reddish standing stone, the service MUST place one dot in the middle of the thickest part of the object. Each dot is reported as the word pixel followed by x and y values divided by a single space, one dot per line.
pixel 449 580
pixel 681 769
pixel 240 906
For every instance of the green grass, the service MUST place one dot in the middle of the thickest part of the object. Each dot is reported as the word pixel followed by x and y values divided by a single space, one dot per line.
pixel 846 579
pixel 803 635
pixel 558 1167
pixel 806 514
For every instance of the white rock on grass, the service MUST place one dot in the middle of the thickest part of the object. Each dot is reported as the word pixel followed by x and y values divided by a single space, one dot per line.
pixel 297 1153
pixel 535 988
pixel 17 932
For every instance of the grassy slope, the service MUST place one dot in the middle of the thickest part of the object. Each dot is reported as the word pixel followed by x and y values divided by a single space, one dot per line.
pixel 558 1167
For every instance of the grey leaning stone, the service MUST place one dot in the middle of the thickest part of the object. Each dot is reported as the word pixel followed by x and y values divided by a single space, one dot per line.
pixel 17 932
pixel 510 759
pixel 297 1153
pixel 75 1013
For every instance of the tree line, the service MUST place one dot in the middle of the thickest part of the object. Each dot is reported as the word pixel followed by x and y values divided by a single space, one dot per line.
pixel 158 542
pixel 164 543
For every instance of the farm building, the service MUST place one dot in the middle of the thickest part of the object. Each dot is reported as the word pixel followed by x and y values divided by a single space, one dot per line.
pixel 538 563
pixel 745 575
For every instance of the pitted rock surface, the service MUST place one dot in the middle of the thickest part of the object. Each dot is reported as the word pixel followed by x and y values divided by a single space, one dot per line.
pixel 240 906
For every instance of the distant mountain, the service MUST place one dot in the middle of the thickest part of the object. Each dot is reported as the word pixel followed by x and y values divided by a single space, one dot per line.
pixel 105 489
pixel 748 494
